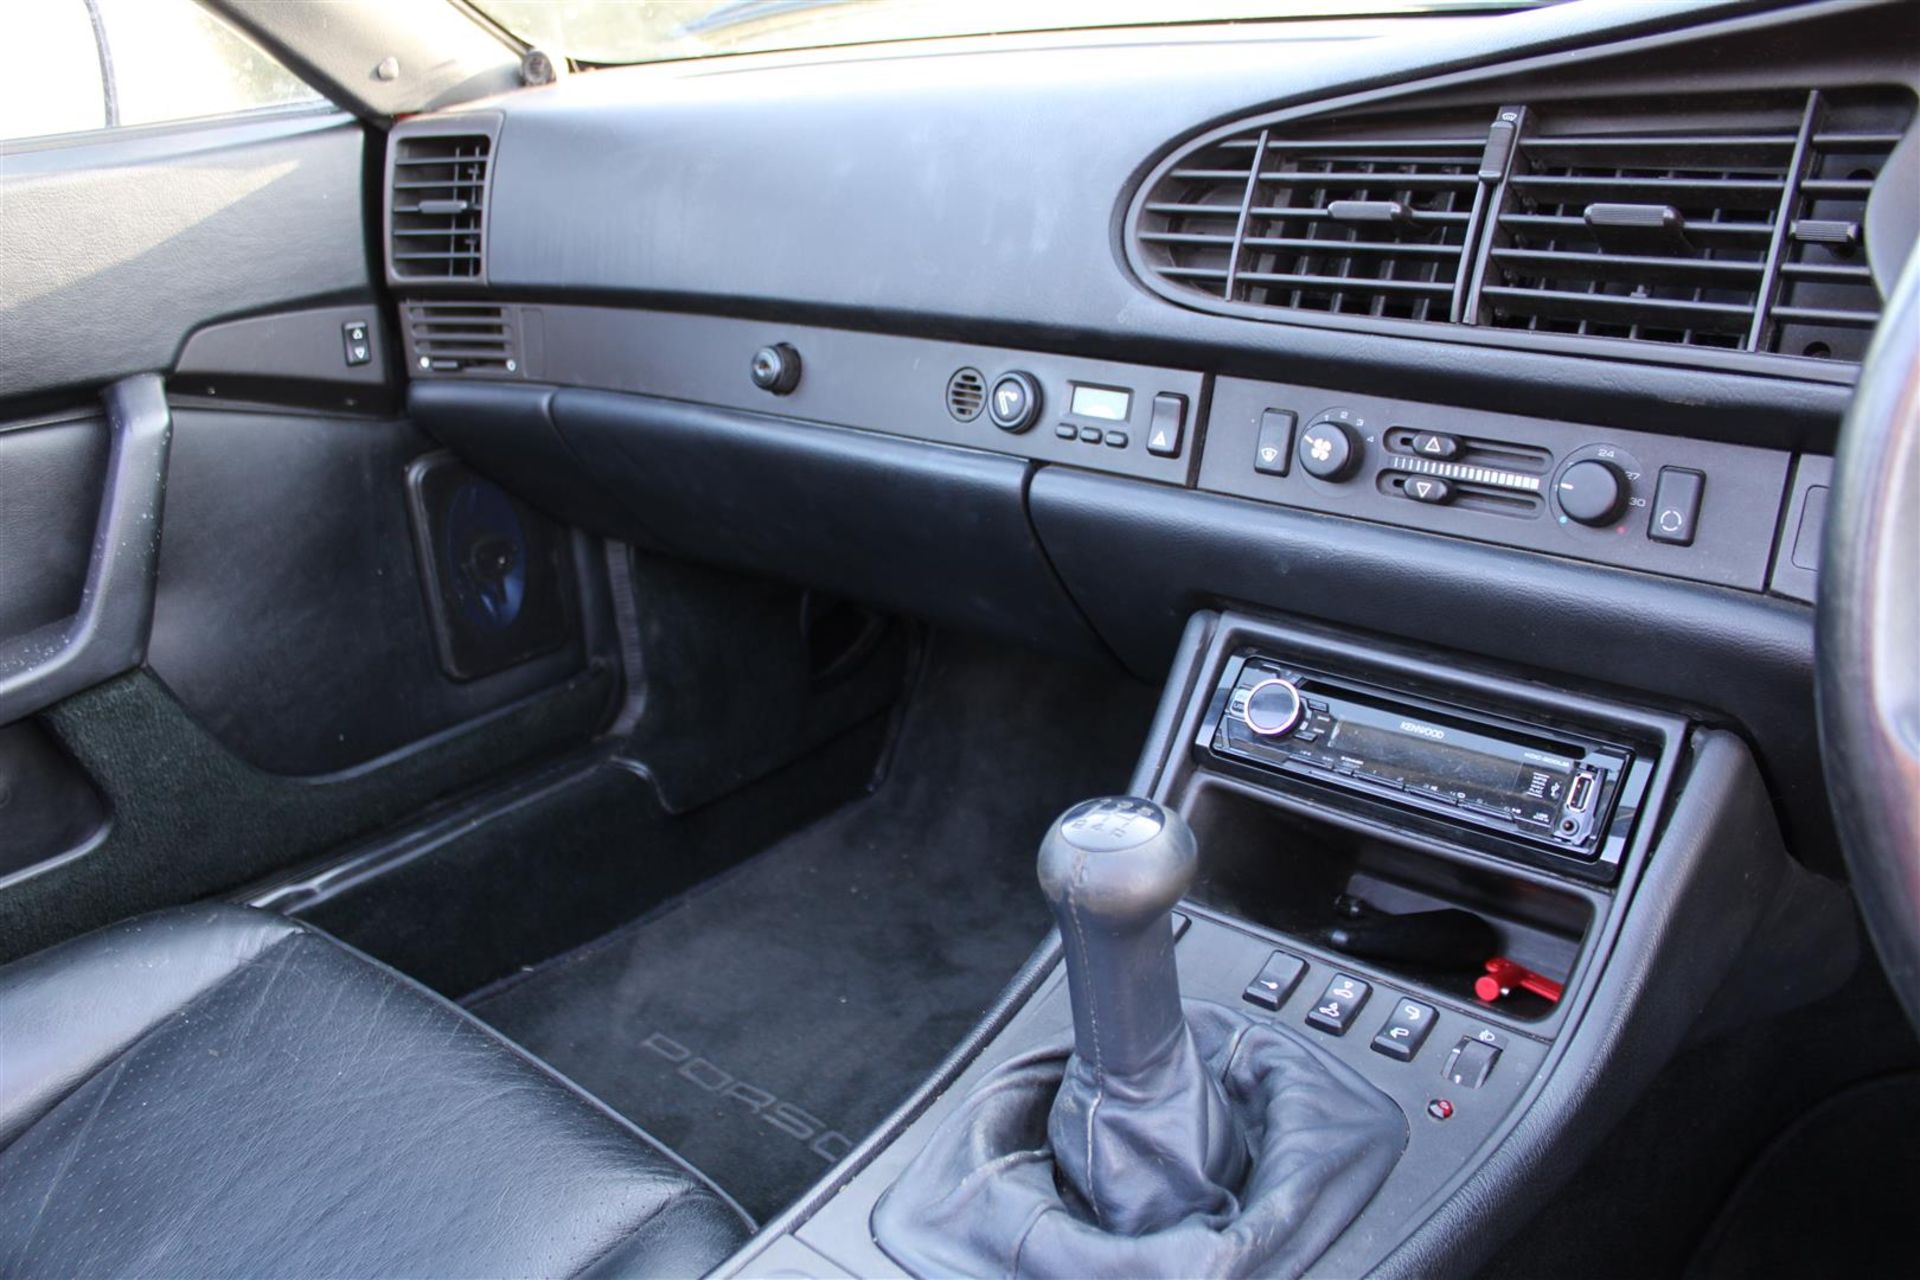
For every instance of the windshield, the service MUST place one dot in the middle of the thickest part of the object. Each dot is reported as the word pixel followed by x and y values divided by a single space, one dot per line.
pixel 601 31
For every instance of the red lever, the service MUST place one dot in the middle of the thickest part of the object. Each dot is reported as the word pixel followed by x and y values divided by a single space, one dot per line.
pixel 1503 975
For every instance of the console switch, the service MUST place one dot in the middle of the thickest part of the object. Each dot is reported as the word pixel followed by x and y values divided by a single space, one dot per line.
pixel 1273 450
pixel 1169 423
pixel 1339 1004
pixel 1676 506
pixel 359 346
pixel 1275 981
pixel 1406 1030
pixel 1470 1063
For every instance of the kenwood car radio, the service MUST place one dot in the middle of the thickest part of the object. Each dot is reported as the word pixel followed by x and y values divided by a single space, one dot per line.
pixel 1527 788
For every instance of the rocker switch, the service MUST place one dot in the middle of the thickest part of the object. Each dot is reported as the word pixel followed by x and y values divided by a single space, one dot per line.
pixel 1168 425
pixel 1470 1063
pixel 359 346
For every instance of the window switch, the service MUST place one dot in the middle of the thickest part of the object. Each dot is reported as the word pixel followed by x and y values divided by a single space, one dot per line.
pixel 1275 981
pixel 358 342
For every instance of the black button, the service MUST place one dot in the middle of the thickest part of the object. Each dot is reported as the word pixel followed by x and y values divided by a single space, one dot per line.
pixel 1405 1031
pixel 1273 451
pixel 1168 425
pixel 1092 435
pixel 1275 981
pixel 1470 1063
pixel 1014 402
pixel 1066 431
pixel 1116 439
pixel 1428 489
pixel 1339 1004
pixel 1676 506
pixel 1431 444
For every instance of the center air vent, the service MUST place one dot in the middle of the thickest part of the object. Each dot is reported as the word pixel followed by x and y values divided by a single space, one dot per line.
pixel 1744 234
pixel 439 206
pixel 1735 223
pixel 464 338
pixel 1369 223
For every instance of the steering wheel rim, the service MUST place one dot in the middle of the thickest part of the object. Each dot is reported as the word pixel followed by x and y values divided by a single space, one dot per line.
pixel 1867 642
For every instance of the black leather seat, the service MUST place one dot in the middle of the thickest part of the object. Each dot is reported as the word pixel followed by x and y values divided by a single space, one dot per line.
pixel 217 1091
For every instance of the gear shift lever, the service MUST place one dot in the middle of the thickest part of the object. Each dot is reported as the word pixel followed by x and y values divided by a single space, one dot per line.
pixel 1139 1128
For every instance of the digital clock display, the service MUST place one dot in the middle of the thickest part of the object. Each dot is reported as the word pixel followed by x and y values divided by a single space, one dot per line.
pixel 1109 404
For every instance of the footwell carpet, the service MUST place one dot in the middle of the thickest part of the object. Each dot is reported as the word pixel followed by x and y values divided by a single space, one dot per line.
pixel 764 1022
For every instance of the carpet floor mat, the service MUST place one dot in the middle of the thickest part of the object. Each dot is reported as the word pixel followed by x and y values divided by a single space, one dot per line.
pixel 762 1023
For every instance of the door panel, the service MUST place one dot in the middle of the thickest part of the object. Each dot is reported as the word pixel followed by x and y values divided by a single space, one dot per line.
pixel 50 479
pixel 290 620
pixel 117 248
pixel 216 655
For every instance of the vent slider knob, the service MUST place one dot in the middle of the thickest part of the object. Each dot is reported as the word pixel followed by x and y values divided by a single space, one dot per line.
pixel 1639 228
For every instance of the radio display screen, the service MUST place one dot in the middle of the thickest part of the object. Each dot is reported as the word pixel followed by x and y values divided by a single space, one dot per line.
pixel 1438 756
pixel 1418 762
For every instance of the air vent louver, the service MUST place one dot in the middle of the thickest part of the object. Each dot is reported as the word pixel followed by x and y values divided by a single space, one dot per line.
pixel 966 394
pixel 439 202
pixel 459 337
pixel 1361 223
pixel 1701 231
pixel 1734 223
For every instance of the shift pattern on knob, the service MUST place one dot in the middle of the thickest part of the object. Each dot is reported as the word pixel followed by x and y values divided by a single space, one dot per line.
pixel 1100 825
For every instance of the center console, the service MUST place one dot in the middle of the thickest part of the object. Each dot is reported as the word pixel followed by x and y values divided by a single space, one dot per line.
pixel 1499 904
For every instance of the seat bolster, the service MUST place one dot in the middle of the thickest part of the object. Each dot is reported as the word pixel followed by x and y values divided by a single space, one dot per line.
pixel 70 1010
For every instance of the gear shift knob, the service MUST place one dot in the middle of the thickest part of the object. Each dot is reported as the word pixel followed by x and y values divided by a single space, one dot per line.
pixel 1111 869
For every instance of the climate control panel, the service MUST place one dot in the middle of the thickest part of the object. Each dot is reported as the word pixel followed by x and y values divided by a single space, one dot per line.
pixel 1679 507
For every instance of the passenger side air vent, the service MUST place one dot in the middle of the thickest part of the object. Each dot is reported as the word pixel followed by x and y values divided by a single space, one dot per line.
pixel 1737 228
pixel 1361 221
pixel 461 338
pixel 439 206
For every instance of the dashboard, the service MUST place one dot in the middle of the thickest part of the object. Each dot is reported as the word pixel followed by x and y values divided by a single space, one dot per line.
pixel 1523 337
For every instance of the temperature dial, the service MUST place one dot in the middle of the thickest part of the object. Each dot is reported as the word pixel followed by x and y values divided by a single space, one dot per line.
pixel 1592 492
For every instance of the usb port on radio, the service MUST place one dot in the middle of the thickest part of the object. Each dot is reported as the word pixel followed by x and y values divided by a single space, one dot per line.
pixel 1580 797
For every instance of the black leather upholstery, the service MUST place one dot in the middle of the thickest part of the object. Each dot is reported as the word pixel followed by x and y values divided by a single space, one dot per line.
pixel 984 1196
pixel 217 1091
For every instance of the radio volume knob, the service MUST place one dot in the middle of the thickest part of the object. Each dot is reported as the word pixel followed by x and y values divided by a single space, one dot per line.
pixel 1273 708
pixel 1592 492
